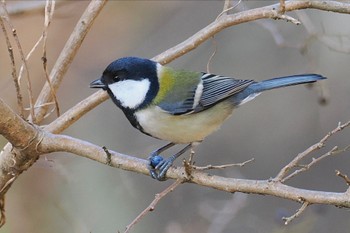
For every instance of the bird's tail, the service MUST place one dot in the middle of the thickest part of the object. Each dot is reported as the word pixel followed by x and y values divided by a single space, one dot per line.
pixel 256 88
pixel 284 81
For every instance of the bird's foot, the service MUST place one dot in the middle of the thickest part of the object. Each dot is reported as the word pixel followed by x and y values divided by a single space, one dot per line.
pixel 158 166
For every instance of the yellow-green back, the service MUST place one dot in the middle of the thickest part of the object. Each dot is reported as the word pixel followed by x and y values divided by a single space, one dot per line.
pixel 175 85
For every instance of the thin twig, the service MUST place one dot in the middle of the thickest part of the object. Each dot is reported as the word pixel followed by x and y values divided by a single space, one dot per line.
pixel 50 103
pixel 345 177
pixel 49 11
pixel 2 211
pixel 294 163
pixel 287 220
pixel 304 168
pixel 20 73
pixel 209 167
pixel 153 204
pixel 287 18
pixel 6 16
pixel 188 165
pixel 227 6
pixel 13 67
pixel 226 9
pixel 213 53
pixel 333 151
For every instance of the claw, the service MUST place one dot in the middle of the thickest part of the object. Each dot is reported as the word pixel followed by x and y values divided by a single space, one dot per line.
pixel 164 168
pixel 153 173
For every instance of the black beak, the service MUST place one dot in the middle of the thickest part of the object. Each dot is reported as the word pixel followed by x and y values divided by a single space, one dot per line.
pixel 97 84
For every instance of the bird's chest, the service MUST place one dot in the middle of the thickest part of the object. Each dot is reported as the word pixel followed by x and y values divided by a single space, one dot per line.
pixel 182 128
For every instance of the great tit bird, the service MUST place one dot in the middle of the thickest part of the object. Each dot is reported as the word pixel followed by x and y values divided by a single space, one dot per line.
pixel 182 107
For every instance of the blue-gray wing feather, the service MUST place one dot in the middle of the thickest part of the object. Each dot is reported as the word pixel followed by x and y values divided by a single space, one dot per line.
pixel 214 89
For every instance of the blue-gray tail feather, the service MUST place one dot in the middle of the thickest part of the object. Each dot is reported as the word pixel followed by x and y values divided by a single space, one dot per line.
pixel 284 81
pixel 257 87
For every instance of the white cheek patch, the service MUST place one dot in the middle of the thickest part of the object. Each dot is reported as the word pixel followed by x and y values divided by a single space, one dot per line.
pixel 130 93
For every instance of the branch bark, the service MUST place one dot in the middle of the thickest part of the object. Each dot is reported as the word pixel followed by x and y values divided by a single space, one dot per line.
pixel 130 163
pixel 24 138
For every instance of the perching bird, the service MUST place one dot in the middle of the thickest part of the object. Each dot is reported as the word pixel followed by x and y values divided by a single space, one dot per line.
pixel 182 107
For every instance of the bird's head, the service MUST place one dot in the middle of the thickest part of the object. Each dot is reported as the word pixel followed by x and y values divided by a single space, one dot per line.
pixel 131 82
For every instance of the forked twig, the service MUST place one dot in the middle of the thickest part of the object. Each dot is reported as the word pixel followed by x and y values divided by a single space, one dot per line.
pixel 228 7
pixel 306 167
pixel 294 163
pixel 153 204
pixel 287 220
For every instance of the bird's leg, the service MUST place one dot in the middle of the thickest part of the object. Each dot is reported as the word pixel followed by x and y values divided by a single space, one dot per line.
pixel 164 164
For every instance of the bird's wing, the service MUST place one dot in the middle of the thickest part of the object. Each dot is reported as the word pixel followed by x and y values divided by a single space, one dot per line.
pixel 210 90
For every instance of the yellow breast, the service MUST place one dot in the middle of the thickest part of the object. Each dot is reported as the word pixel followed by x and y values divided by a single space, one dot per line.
pixel 183 128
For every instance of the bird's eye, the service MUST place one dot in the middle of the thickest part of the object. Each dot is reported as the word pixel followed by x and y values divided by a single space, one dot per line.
pixel 116 78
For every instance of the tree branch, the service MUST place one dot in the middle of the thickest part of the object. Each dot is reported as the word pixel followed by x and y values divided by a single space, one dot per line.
pixel 153 204
pixel 51 143
pixel 24 138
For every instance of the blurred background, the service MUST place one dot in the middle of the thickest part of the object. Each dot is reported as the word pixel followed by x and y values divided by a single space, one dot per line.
pixel 66 193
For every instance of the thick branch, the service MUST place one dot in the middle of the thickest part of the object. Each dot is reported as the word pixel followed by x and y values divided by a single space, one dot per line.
pixel 51 143
pixel 77 111
pixel 24 138
pixel 14 128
